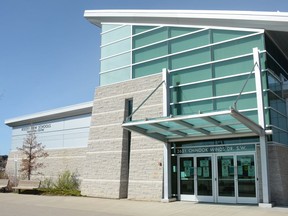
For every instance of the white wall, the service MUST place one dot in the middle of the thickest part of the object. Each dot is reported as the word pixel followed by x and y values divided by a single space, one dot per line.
pixel 61 133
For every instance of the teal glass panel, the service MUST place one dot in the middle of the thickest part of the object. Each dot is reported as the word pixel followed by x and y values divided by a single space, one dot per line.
pixel 252 115
pixel 115 48
pixel 149 68
pixel 150 37
pixel 190 58
pixel 234 85
pixel 238 47
pixel 115 76
pixel 192 92
pixel 107 27
pixel 150 52
pixel 115 62
pixel 177 31
pixel 190 41
pixel 139 29
pixel 222 35
pixel 191 75
pixel 116 35
pixel 245 102
pixel 192 108
pixel 233 66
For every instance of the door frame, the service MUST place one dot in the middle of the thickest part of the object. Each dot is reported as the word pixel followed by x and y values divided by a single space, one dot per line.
pixel 214 165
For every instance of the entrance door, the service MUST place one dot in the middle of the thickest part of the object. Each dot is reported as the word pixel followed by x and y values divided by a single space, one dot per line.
pixel 187 179
pixel 236 179
pixel 222 178
pixel 196 179
pixel 226 184
pixel 246 179
pixel 204 183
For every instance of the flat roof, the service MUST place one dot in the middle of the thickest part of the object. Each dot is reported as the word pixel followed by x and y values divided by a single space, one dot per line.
pixel 274 21
pixel 62 112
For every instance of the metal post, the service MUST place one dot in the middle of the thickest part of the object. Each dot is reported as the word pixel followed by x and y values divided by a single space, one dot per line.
pixel 167 156
pixel 15 169
pixel 261 121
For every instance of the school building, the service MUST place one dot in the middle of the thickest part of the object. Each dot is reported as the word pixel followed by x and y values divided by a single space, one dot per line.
pixel 191 106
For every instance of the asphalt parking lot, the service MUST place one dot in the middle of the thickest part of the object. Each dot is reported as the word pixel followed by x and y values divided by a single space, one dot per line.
pixel 12 204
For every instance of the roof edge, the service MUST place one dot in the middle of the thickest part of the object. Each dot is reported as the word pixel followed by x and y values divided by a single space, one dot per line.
pixel 62 112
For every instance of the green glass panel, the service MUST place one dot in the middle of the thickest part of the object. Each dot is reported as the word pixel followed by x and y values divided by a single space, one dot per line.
pixel 233 66
pixel 192 108
pixel 115 62
pixel 234 85
pixel 116 35
pixel 107 27
pixel 115 48
pixel 222 35
pixel 191 75
pixel 139 29
pixel 150 37
pixel 189 42
pixel 192 92
pixel 245 102
pixel 190 58
pixel 149 68
pixel 252 115
pixel 150 52
pixel 238 47
pixel 177 31
pixel 115 76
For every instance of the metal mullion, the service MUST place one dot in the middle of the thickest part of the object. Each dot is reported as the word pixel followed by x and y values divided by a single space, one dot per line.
pixel 218 124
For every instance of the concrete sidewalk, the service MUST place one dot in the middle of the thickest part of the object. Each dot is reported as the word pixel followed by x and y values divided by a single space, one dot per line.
pixel 12 204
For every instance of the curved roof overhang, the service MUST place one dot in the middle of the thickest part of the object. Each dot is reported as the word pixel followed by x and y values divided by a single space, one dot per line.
pixel 274 21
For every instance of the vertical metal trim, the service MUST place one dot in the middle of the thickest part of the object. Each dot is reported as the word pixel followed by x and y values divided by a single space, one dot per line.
pixel 261 121
pixel 166 153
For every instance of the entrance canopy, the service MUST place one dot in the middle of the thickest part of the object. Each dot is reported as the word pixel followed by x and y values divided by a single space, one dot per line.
pixel 212 125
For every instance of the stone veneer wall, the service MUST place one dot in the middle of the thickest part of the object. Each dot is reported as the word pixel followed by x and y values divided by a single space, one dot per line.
pixel 278 170
pixel 59 160
pixel 106 172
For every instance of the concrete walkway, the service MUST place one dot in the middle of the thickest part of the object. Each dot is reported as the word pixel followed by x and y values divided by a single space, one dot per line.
pixel 12 204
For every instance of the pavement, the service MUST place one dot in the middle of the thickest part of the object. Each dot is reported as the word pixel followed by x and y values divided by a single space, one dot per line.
pixel 12 204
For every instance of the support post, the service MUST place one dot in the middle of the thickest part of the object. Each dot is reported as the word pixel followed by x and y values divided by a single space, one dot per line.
pixel 262 137
pixel 167 154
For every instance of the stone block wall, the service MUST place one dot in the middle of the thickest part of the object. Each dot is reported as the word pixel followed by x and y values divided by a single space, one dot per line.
pixel 106 171
pixel 278 170
pixel 59 160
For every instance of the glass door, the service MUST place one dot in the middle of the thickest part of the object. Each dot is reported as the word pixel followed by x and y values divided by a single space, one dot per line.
pixel 187 182
pixel 226 179
pixel 246 179
pixel 204 183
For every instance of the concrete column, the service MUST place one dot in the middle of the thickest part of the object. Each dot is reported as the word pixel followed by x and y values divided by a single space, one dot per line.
pixel 166 153
pixel 262 137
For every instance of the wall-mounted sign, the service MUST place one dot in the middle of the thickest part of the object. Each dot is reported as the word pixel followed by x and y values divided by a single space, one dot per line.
pixel 36 128
pixel 213 149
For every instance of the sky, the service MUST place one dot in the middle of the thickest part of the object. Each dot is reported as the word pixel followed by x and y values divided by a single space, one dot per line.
pixel 49 53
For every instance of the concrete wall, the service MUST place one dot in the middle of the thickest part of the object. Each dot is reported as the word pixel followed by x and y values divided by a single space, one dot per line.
pixel 106 171
pixel 278 170
pixel 59 160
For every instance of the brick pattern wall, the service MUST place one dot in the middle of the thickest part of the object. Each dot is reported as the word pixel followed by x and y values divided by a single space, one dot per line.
pixel 106 168
pixel 278 170
pixel 59 160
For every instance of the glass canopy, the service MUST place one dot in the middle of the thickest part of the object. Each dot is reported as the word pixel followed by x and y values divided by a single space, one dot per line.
pixel 226 123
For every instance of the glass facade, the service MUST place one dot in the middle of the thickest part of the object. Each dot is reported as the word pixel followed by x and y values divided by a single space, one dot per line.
pixel 208 68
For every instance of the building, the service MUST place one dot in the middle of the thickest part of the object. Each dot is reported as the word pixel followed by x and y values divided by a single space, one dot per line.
pixel 64 133
pixel 191 106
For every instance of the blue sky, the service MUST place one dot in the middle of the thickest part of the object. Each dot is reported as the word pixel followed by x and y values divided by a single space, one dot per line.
pixel 49 53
